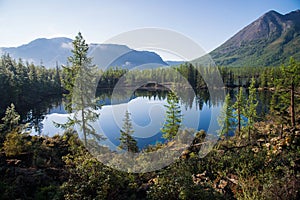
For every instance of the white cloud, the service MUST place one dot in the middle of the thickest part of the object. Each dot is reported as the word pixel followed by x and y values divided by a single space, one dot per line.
pixel 67 45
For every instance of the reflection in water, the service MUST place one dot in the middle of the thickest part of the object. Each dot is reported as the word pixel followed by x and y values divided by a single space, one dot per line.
pixel 147 114
pixel 34 114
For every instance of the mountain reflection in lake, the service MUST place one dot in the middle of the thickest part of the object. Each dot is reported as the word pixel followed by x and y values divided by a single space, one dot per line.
pixel 147 115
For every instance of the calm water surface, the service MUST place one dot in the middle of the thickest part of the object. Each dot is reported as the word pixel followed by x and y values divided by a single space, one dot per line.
pixel 147 115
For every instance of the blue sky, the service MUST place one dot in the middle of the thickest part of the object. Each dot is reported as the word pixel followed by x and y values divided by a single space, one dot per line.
pixel 209 22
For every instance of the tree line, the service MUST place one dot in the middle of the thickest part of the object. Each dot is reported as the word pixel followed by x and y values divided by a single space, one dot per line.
pixel 283 105
pixel 26 84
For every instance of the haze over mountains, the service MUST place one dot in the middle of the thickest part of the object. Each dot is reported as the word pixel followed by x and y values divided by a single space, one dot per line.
pixel 49 51
pixel 268 41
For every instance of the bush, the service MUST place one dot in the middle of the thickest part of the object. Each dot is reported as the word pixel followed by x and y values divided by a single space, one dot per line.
pixel 16 143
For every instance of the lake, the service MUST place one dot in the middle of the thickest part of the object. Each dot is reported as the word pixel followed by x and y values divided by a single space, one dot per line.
pixel 147 115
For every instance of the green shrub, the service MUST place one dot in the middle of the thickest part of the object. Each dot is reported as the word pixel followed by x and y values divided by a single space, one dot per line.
pixel 16 143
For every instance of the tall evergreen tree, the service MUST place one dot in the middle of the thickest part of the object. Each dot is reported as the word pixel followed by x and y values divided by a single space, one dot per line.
pixel 288 84
pixel 80 80
pixel 9 122
pixel 77 60
pixel 226 118
pixel 173 117
pixel 250 108
pixel 127 142
pixel 238 106
pixel 57 79
pixel 283 102
pixel 278 109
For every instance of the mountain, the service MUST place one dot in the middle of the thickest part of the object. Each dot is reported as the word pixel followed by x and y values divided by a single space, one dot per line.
pixel 42 51
pixel 49 51
pixel 105 55
pixel 268 41
pixel 173 62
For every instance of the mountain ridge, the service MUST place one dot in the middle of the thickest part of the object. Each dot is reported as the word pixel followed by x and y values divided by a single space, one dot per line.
pixel 269 40
pixel 48 52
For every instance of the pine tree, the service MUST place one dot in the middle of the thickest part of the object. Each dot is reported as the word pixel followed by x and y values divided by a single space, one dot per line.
pixel 80 81
pixel 289 82
pixel 173 117
pixel 283 102
pixel 226 118
pixel 264 79
pixel 79 58
pixel 238 106
pixel 127 142
pixel 57 80
pixel 250 108
pixel 9 122
pixel 278 108
pixel 12 133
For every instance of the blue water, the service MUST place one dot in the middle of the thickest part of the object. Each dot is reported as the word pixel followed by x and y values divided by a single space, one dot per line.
pixel 147 117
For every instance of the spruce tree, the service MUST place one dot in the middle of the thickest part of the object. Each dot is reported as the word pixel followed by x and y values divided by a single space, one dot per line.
pixel 173 117
pixel 11 119
pixel 287 86
pixel 238 106
pixel 77 60
pixel 283 102
pixel 250 108
pixel 226 118
pixel 80 80
pixel 127 142
pixel 9 122
pixel 278 109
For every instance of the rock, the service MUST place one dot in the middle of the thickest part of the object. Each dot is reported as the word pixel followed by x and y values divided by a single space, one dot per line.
pixel 200 178
pixel 222 184
pixel 202 175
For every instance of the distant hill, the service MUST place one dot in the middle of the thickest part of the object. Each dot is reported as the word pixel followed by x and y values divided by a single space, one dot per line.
pixel 42 51
pixel 174 63
pixel 49 51
pixel 268 41
pixel 120 55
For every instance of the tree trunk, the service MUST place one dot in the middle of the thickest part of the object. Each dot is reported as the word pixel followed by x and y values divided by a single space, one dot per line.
pixel 239 120
pixel 83 122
